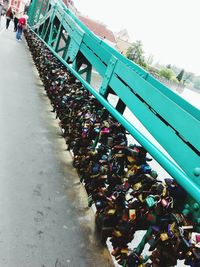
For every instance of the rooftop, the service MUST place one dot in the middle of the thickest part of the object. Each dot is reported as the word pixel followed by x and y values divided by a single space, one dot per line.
pixel 98 28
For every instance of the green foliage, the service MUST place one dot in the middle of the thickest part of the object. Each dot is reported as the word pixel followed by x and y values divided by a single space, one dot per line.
pixel 149 60
pixel 135 53
pixel 179 77
pixel 154 71
pixel 171 72
pixel 174 79
pixel 167 73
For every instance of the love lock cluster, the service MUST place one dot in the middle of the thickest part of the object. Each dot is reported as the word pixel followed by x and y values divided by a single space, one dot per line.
pixel 118 179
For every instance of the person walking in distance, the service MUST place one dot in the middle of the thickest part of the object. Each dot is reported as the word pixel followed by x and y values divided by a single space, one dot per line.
pixel 9 17
pixel 20 27
pixel 16 19
pixel 1 7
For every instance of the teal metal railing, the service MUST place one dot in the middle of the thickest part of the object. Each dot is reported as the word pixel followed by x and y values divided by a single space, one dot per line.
pixel 171 120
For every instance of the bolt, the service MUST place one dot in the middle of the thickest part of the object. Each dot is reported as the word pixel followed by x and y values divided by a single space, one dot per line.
pixel 197 171
pixel 187 206
pixel 186 212
pixel 196 206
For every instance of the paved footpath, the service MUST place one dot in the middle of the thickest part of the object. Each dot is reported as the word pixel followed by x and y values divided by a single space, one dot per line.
pixel 44 219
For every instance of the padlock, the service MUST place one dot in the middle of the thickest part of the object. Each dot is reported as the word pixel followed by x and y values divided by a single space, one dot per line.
pixel 171 230
pixel 128 196
pixel 151 201
pixel 151 217
pixel 164 236
pixel 132 214
pixel 111 211
pixel 198 238
pixel 117 233
pixel 96 168
pixel 195 237
pixel 137 186
pixel 189 258
pixel 90 200
pixel 141 199
pixel 167 202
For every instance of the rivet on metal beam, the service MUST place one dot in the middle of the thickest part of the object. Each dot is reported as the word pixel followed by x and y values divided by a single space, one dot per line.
pixel 197 171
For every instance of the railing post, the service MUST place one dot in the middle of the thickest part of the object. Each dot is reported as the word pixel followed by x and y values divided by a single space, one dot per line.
pixel 31 12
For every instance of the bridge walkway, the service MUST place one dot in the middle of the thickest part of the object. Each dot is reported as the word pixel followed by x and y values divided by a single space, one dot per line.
pixel 45 221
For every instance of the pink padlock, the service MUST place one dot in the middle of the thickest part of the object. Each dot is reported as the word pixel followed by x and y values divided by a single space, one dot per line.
pixel 105 130
pixel 198 238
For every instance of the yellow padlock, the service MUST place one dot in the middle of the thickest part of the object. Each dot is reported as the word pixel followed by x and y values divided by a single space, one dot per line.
pixel 164 236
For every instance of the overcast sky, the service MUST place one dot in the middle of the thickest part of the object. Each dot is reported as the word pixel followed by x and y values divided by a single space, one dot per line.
pixel 168 29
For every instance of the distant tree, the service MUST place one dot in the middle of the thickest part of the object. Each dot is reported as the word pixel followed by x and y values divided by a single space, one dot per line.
pixel 197 82
pixel 179 77
pixel 167 73
pixel 149 60
pixel 168 66
pixel 135 53
pixel 188 77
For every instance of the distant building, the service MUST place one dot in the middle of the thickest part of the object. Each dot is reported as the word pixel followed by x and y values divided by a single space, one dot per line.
pixel 123 35
pixel 99 29
pixel 70 5
pixel 96 27
pixel 123 41
pixel 18 6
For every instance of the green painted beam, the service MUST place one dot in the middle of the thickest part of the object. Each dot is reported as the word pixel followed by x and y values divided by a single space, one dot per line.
pixel 164 134
pixel 174 115
pixel 170 119
pixel 144 74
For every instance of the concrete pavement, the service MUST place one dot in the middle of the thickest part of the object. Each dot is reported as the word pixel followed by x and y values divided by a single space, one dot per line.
pixel 44 219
